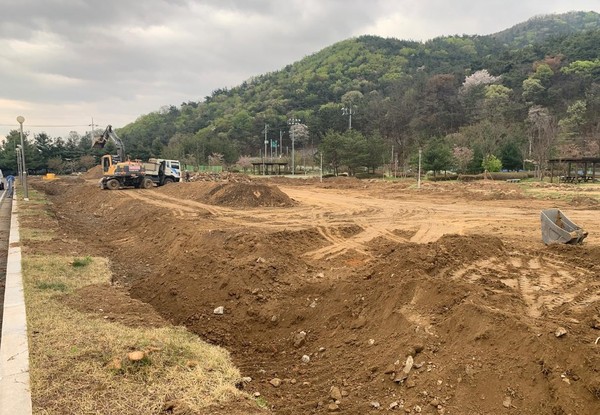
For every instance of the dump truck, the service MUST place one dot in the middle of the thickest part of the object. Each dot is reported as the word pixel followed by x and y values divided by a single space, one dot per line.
pixel 119 172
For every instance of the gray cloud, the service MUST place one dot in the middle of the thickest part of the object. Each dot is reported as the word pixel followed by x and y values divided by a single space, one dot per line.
pixel 63 61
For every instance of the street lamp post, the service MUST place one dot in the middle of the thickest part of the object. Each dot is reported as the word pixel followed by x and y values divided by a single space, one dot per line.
pixel 19 169
pixel 291 123
pixel 21 120
pixel 349 111
pixel 280 142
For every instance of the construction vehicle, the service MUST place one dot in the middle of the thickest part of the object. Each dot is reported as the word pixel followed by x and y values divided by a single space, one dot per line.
pixel 121 172
pixel 172 169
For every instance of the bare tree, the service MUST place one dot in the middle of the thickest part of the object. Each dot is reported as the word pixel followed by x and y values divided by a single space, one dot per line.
pixel 543 131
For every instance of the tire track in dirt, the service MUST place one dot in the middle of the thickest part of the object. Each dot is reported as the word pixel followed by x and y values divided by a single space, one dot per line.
pixel 186 207
pixel 339 246
pixel 545 283
pixel 373 216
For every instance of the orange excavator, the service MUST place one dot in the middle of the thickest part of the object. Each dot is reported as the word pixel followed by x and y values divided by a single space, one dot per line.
pixel 120 172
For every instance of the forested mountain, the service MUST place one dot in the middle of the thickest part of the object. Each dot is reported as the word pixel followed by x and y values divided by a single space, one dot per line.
pixel 527 93
pixel 541 28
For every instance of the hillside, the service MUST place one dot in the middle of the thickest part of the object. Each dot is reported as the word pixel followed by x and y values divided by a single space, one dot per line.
pixel 541 28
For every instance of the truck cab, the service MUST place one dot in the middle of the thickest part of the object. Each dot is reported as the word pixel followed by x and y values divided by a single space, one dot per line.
pixel 172 169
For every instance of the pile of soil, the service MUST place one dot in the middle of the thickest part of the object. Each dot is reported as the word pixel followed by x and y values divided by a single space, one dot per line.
pixel 220 177
pixel 248 195
pixel 235 194
pixel 466 324
pixel 93 173
pixel 586 201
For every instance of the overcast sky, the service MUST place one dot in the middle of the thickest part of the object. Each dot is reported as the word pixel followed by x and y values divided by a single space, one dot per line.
pixel 63 62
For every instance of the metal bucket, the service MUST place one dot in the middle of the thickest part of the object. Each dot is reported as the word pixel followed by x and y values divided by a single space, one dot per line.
pixel 558 229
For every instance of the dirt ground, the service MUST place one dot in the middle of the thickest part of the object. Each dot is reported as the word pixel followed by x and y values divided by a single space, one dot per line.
pixel 359 296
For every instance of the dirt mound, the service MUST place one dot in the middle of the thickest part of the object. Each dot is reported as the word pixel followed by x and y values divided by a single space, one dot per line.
pixel 464 329
pixel 585 201
pixel 220 177
pixel 248 195
pixel 93 173
pixel 57 186
pixel 232 194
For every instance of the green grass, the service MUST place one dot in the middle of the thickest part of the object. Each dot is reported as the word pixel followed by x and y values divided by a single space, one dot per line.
pixel 262 402
pixel 82 262
pixel 50 285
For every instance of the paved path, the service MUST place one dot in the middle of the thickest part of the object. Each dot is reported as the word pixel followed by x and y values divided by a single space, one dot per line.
pixel 15 393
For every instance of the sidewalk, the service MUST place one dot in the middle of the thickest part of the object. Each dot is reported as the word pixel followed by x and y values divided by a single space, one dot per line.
pixel 15 392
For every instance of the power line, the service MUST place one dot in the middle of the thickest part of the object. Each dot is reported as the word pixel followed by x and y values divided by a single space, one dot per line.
pixel 58 126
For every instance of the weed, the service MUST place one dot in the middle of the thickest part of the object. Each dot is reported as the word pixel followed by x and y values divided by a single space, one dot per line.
pixel 262 402
pixel 51 285
pixel 81 262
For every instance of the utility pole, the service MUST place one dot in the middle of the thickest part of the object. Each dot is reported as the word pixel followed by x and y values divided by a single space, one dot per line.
pixel 419 177
pixel 265 153
pixel 280 142
pixel 321 167
pixel 391 163
pixel 21 120
pixel 349 111
pixel 291 123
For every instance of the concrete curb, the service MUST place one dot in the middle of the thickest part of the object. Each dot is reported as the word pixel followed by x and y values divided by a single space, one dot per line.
pixel 15 392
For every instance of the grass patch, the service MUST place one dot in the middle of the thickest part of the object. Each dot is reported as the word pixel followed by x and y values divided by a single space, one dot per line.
pixel 81 364
pixel 49 285
pixel 262 402
pixel 81 262
pixel 37 235
pixel 35 197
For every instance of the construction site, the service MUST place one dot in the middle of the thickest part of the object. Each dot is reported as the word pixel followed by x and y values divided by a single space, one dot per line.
pixel 354 296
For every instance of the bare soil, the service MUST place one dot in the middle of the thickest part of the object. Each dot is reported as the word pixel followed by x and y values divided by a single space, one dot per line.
pixel 361 277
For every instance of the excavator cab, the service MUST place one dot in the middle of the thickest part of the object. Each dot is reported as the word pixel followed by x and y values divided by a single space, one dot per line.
pixel 106 163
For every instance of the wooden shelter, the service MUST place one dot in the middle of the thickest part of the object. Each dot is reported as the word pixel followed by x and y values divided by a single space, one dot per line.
pixel 264 167
pixel 582 169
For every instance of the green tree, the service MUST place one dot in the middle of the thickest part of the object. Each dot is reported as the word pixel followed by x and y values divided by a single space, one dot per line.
pixel 354 151
pixel 497 103
pixel 543 73
pixel 332 148
pixel 572 126
pixel 533 91
pixel 474 165
pixel 510 156
pixel 8 154
pixel 376 151
pixel 491 163
pixel 437 156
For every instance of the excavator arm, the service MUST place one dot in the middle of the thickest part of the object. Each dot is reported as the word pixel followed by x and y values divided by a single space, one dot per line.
pixel 109 134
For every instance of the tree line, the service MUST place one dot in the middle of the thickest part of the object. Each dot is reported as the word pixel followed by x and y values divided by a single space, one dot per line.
pixel 45 154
